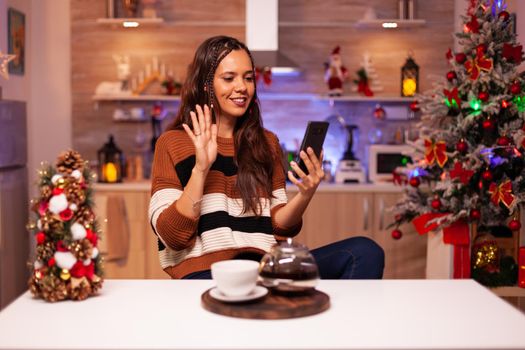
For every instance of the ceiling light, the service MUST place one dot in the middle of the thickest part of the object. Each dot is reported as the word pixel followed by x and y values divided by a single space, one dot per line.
pixel 389 25
pixel 130 24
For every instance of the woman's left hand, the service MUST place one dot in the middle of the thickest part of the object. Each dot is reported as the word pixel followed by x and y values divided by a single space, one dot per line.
pixel 307 184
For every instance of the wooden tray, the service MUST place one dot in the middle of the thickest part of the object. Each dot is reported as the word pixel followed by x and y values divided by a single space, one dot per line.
pixel 271 307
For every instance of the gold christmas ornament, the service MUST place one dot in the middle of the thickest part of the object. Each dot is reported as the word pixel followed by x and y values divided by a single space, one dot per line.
pixel 65 275
pixel 485 253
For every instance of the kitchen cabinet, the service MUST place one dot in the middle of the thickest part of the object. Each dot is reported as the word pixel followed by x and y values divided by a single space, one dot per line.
pixel 333 216
pixel 336 212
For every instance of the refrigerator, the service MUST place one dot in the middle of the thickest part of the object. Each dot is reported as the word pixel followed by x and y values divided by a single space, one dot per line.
pixel 14 238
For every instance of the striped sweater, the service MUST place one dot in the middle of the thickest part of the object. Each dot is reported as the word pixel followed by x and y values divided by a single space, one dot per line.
pixel 222 231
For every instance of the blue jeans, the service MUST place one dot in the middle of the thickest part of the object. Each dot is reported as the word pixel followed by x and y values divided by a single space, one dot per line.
pixel 351 258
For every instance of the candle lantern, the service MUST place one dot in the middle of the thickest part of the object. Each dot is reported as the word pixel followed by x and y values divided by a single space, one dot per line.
pixel 409 78
pixel 110 162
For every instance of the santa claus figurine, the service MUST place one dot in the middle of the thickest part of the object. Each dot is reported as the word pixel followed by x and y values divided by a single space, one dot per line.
pixel 335 73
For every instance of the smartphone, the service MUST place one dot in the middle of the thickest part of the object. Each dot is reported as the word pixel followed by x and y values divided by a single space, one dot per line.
pixel 313 137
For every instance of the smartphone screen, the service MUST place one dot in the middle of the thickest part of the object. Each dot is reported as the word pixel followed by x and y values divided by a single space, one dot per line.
pixel 313 137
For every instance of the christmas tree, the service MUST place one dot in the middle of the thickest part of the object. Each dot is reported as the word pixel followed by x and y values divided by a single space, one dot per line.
pixel 67 264
pixel 468 161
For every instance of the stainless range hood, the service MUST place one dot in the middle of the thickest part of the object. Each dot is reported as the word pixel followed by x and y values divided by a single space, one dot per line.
pixel 262 37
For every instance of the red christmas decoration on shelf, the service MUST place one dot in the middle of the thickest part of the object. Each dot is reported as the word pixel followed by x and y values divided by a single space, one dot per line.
pixel 451 76
pixel 414 106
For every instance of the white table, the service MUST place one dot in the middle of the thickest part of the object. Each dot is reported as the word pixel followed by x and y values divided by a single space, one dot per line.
pixel 165 314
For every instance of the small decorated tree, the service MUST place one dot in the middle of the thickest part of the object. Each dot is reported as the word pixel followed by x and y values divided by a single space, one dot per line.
pixel 468 162
pixel 67 264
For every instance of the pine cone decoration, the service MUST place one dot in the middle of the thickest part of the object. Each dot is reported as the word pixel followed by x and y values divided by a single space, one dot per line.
pixel 52 288
pixel 79 288
pixel 52 224
pixel 75 193
pixel 45 251
pixel 85 216
pixel 68 161
pixel 82 249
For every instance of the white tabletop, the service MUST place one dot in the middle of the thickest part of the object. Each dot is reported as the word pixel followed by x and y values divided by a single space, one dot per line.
pixel 166 314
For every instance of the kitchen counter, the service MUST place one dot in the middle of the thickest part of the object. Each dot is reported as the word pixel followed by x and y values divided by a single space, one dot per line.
pixel 364 314
pixel 324 187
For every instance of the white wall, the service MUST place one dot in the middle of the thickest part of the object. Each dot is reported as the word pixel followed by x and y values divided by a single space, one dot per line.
pixel 46 84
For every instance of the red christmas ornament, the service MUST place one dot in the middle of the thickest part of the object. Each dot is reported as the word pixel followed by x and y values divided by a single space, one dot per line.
pixel 481 49
pixel 436 204
pixel 451 75
pixel 57 191
pixel 414 107
pixel 415 182
pixel 515 88
pixel 462 146
pixel 488 124
pixel 379 112
pixel 483 96
pixel 503 141
pixel 475 214
pixel 40 237
pixel 66 215
pixel 397 234
pixel 51 262
pixel 448 55
pixel 487 175
pixel 461 58
pixel 514 225
pixel 504 15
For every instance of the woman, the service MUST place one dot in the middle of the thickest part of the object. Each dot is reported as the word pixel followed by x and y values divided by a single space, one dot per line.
pixel 218 185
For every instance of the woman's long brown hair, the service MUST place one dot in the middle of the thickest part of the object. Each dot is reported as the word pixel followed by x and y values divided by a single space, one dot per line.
pixel 254 167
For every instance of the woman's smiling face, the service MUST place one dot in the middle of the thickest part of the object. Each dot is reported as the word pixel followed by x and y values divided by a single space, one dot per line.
pixel 234 84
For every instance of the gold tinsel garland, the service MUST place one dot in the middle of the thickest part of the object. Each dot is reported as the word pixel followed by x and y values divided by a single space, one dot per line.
pixel 53 232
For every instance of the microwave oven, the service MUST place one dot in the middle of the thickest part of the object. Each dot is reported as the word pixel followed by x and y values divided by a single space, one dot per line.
pixel 384 159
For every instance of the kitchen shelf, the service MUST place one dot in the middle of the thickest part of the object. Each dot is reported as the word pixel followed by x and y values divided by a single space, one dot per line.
pixel 161 98
pixel 267 96
pixel 401 23
pixel 140 21
pixel 358 98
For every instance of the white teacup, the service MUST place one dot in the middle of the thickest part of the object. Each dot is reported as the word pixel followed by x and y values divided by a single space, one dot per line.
pixel 235 278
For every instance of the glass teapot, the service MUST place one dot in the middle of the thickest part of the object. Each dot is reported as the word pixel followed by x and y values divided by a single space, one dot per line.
pixel 289 267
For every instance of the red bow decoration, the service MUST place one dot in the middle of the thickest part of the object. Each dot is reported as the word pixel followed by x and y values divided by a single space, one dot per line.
pixel 436 151
pixel 512 53
pixel 473 25
pixel 477 64
pixel 463 174
pixel 453 97
pixel 501 193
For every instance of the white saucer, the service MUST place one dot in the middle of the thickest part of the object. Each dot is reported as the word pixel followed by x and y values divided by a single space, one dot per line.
pixel 257 293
